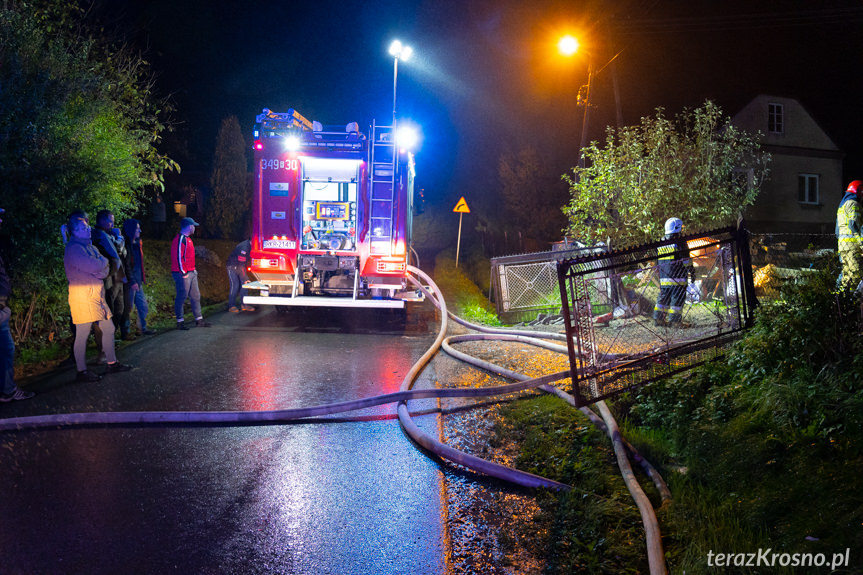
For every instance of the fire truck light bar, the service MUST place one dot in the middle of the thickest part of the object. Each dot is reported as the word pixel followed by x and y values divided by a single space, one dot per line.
pixel 325 144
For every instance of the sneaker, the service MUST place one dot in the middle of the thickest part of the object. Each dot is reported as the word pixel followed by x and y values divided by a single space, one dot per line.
pixel 87 376
pixel 248 308
pixel 202 323
pixel 182 325
pixel 233 309
pixel 118 367
pixel 148 331
pixel 17 395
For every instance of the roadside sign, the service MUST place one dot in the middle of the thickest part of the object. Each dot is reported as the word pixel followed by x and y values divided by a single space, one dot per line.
pixel 461 207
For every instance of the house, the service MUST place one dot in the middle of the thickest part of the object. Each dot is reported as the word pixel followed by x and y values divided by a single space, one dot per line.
pixel 805 180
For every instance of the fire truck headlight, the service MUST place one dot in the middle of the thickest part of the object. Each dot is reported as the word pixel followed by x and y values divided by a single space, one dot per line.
pixel 292 143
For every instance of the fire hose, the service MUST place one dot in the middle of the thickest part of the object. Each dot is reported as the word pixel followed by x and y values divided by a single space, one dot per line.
pixel 606 423
pixel 655 553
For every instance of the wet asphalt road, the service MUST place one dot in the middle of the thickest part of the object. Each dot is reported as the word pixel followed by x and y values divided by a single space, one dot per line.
pixel 348 495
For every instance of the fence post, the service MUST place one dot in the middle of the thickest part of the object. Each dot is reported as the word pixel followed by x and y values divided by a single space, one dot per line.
pixel 745 257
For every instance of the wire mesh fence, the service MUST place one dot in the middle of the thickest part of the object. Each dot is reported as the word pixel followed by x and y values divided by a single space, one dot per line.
pixel 778 259
pixel 526 285
pixel 616 339
pixel 606 301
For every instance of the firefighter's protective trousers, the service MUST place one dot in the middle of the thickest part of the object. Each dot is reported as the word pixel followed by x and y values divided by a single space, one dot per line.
pixel 675 267
pixel 850 243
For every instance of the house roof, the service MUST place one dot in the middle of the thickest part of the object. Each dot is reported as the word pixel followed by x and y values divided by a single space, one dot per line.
pixel 801 130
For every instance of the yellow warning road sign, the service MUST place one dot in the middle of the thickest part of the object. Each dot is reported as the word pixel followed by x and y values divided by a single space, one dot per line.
pixel 461 207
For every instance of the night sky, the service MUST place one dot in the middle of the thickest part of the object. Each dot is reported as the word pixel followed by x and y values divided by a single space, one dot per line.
pixel 486 75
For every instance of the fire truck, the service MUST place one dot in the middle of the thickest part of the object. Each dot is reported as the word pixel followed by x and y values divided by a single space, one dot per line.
pixel 331 214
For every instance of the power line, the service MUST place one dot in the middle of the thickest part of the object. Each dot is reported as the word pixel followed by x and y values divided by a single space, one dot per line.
pixel 750 21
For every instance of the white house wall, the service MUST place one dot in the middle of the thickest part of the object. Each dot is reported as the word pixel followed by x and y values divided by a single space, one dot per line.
pixel 802 148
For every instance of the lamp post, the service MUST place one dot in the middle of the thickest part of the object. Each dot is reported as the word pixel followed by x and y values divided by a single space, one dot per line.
pixel 399 52
pixel 567 46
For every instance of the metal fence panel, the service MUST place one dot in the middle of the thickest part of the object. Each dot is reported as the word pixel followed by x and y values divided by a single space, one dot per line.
pixel 608 301
pixel 525 285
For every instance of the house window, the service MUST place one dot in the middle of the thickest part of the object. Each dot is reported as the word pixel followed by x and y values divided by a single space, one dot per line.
pixel 808 186
pixel 775 118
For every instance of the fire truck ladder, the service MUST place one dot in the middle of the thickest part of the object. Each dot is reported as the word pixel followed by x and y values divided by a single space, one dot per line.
pixel 383 182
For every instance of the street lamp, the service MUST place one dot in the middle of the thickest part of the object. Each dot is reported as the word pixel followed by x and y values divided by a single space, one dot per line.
pixel 399 52
pixel 568 46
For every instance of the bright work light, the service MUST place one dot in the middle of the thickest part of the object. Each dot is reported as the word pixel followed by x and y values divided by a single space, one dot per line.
pixel 406 137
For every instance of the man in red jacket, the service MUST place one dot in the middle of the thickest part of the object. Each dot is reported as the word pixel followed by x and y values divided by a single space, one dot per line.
pixel 184 274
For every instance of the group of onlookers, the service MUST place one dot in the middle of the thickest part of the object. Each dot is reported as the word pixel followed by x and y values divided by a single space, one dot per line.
pixel 105 270
pixel 94 268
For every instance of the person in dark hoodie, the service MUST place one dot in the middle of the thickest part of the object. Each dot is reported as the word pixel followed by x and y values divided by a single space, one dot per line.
pixel 237 263
pixel 136 278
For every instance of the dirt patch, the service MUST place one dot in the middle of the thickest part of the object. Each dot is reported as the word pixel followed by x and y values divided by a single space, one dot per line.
pixel 489 521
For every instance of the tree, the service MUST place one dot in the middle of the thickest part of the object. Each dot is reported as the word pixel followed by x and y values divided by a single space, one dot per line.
pixel 698 167
pixel 79 125
pixel 531 195
pixel 230 201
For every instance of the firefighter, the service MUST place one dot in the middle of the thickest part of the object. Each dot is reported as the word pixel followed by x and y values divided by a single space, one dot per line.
pixel 848 232
pixel 675 268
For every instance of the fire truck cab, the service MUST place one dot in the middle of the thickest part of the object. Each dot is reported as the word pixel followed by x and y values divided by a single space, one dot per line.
pixel 331 215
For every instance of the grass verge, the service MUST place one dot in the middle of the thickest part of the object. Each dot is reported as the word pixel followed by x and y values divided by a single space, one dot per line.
pixel 763 450
pixel 462 295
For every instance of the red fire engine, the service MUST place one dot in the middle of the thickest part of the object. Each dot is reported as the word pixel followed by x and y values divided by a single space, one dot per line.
pixel 331 214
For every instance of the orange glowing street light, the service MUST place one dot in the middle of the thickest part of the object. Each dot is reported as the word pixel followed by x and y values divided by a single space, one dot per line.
pixel 568 45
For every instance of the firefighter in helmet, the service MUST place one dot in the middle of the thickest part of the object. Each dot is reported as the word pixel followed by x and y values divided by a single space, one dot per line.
pixel 848 232
pixel 675 269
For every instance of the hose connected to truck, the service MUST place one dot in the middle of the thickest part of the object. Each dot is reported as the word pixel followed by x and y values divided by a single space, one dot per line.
pixel 606 423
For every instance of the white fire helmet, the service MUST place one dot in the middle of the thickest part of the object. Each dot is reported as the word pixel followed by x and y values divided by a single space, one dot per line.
pixel 673 226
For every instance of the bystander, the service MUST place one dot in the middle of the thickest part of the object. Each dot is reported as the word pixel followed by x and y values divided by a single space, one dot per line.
pixel 185 275
pixel 9 390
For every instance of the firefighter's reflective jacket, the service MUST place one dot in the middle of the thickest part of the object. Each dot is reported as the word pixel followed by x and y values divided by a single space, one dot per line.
pixel 674 263
pixel 848 224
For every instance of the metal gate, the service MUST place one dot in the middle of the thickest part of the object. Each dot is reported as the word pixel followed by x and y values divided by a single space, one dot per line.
pixel 608 302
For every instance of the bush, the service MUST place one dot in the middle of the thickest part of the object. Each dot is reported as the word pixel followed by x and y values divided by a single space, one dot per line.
pixel 770 439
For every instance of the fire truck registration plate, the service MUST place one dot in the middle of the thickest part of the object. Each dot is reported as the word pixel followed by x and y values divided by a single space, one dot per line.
pixel 283 244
